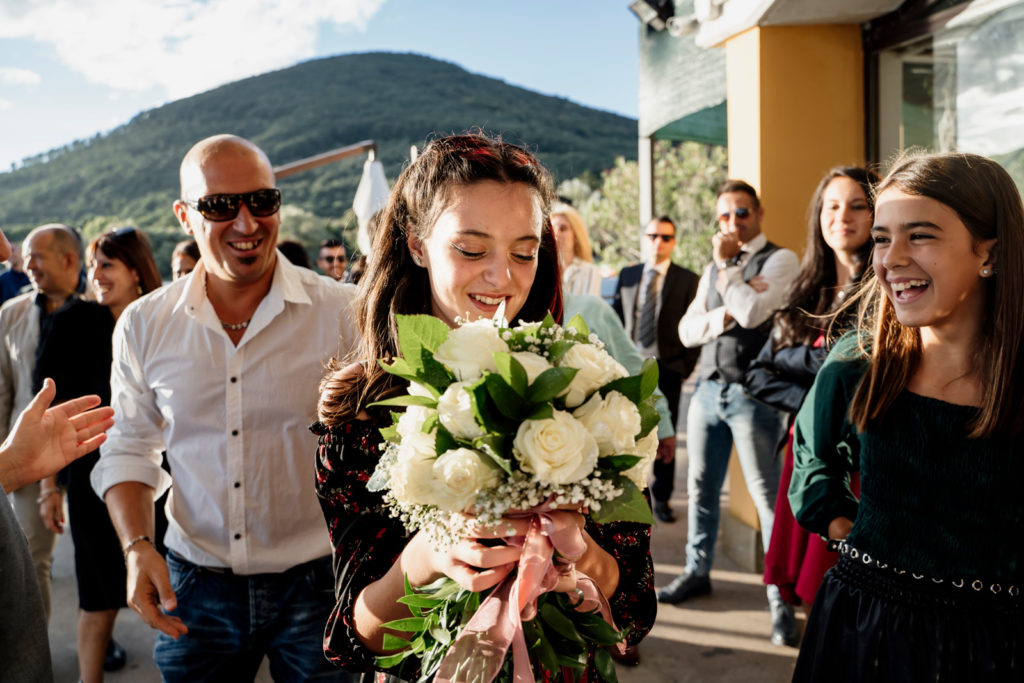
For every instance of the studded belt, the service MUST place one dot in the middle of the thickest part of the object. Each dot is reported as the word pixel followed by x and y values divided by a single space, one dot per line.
pixel 967 585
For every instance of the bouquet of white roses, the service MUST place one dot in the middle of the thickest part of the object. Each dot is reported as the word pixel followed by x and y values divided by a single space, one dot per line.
pixel 512 421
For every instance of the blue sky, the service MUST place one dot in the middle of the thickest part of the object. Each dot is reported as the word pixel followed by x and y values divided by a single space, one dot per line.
pixel 72 68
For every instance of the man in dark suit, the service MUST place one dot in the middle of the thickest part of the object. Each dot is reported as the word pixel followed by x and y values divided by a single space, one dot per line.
pixel 651 298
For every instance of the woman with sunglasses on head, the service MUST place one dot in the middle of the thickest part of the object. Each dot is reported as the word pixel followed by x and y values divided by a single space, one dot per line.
pixel 121 268
pixel 927 396
pixel 837 253
pixel 466 227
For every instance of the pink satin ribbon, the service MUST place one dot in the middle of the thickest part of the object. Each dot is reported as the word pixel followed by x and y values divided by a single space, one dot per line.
pixel 477 654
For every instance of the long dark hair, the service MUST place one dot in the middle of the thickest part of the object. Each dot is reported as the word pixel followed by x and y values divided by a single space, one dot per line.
pixel 813 293
pixel 393 284
pixel 130 246
pixel 987 201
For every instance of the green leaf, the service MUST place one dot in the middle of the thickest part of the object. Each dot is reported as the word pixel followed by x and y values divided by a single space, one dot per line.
pixel 493 446
pixel 562 624
pixel 419 333
pixel 550 384
pixel 484 410
pixel 605 666
pixel 508 401
pixel 630 387
pixel 444 441
pixel 599 630
pixel 545 653
pixel 618 463
pixel 393 642
pixel 543 412
pixel 388 661
pixel 441 635
pixel 559 349
pixel 390 433
pixel 579 325
pixel 649 416
pixel 409 624
pixel 401 368
pixel 649 377
pixel 419 600
pixel 548 321
pixel 429 424
pixel 407 400
pixel 512 372
pixel 630 506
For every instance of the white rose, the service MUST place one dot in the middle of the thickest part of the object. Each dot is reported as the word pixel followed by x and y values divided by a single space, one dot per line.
pixel 460 475
pixel 595 368
pixel 469 349
pixel 455 410
pixel 412 478
pixel 416 389
pixel 647 449
pixel 558 450
pixel 533 363
pixel 613 421
pixel 411 421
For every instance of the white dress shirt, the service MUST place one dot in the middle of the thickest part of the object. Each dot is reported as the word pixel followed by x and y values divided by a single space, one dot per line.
pixel 748 307
pixel 581 277
pixel 233 420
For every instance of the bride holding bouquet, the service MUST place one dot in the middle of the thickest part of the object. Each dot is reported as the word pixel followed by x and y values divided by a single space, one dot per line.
pixel 465 235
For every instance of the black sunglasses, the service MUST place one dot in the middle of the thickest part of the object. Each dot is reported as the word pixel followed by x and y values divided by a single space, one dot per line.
pixel 654 237
pixel 739 213
pixel 224 207
pixel 332 259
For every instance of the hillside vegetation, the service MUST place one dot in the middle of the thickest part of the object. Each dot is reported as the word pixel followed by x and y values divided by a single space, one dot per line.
pixel 129 176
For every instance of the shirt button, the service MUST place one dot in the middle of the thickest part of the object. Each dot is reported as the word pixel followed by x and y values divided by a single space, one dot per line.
pixel 238 536
pixel 234 379
pixel 238 484
pixel 234 432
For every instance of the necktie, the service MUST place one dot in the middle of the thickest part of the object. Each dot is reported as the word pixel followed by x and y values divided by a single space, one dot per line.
pixel 647 332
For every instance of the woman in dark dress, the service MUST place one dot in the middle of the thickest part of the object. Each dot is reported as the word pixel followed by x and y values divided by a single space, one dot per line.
pixel 837 252
pixel 927 397
pixel 121 269
pixel 465 229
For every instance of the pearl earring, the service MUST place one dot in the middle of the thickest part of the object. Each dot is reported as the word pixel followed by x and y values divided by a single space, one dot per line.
pixel 416 260
pixel 985 272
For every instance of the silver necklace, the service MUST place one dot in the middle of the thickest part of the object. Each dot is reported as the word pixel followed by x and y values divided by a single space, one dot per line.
pixel 235 326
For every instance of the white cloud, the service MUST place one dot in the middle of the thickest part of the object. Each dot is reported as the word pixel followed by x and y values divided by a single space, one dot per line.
pixel 10 75
pixel 5 104
pixel 180 46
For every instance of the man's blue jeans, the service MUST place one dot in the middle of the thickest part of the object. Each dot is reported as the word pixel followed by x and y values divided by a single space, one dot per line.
pixel 721 413
pixel 234 621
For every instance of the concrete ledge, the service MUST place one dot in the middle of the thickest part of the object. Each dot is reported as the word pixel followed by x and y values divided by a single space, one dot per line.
pixel 741 543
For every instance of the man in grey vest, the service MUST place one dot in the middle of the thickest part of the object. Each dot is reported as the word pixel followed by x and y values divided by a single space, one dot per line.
pixel 730 320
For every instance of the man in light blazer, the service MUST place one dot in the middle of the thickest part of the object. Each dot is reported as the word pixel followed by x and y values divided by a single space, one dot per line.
pixel 651 298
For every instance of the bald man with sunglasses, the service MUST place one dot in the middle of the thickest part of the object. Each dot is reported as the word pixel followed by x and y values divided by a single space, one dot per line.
pixel 219 369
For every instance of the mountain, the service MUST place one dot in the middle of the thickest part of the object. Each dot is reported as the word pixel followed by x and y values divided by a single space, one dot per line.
pixel 130 174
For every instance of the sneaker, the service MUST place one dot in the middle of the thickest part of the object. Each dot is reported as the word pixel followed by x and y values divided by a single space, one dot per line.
pixel 784 631
pixel 685 586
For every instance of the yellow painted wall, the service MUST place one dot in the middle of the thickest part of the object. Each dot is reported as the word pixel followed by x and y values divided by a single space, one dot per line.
pixel 796 108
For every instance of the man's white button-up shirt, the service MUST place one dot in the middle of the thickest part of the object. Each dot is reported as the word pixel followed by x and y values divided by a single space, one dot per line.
pixel 233 419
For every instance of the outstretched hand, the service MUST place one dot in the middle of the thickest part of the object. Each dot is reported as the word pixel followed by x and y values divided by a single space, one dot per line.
pixel 46 439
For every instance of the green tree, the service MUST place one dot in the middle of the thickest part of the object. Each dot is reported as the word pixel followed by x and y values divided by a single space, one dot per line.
pixel 686 176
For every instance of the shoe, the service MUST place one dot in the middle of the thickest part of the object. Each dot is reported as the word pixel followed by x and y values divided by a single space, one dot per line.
pixel 784 631
pixel 684 587
pixel 663 511
pixel 115 658
pixel 631 657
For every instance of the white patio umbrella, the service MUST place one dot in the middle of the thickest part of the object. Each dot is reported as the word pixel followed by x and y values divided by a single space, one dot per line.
pixel 371 196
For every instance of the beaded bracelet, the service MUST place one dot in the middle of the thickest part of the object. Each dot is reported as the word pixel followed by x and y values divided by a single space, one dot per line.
pixel 132 542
